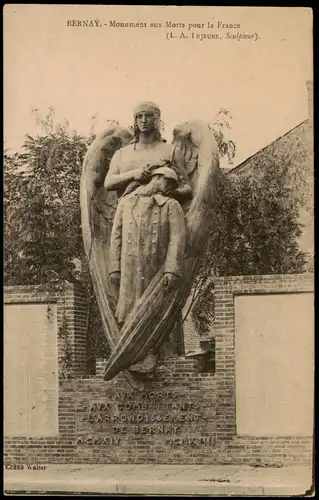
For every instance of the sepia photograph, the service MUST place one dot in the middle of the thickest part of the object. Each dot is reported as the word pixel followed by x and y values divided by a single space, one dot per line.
pixel 158 250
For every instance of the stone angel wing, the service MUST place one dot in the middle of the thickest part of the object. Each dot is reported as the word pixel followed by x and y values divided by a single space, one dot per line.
pixel 199 147
pixel 97 212
pixel 154 316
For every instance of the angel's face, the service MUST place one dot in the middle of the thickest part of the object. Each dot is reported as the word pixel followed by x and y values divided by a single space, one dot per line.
pixel 146 122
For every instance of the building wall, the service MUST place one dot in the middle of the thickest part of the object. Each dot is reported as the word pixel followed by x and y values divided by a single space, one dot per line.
pixel 301 134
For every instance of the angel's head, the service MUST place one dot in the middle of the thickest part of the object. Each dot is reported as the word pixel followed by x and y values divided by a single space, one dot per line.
pixel 147 120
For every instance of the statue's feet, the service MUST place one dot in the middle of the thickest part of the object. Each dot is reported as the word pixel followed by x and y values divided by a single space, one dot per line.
pixel 143 377
pixel 145 369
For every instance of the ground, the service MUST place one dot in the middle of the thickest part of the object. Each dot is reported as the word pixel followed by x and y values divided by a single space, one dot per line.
pixel 213 480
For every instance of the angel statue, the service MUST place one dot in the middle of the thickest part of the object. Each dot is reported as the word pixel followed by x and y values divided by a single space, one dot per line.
pixel 147 209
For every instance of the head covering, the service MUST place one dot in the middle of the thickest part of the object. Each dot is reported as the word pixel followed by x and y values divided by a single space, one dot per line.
pixel 168 174
pixel 147 107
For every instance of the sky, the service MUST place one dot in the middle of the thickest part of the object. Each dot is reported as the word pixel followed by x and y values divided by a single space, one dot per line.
pixel 80 71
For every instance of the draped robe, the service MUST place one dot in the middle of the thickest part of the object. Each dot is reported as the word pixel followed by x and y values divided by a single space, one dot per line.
pixel 148 232
pixel 131 284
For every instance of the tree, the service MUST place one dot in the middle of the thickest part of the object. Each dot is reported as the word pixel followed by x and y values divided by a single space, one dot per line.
pixel 257 224
pixel 222 124
pixel 42 214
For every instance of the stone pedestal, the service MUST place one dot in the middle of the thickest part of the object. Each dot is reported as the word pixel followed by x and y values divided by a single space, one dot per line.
pixel 171 421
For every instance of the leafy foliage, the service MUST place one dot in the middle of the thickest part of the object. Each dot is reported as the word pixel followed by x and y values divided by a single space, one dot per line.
pixel 42 213
pixel 257 224
pixel 220 126
pixel 65 365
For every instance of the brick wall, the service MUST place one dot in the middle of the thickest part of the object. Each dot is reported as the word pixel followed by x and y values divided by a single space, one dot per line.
pixel 71 305
pixel 45 450
pixel 269 449
pixel 191 336
pixel 207 425
pixel 70 301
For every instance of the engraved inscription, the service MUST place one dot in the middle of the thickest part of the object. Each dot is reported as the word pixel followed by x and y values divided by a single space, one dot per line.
pixel 178 419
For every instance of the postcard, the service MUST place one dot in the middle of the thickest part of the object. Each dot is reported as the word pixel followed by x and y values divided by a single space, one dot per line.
pixel 159 274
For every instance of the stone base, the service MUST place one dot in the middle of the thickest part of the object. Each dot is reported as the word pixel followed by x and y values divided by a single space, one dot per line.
pixel 172 421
